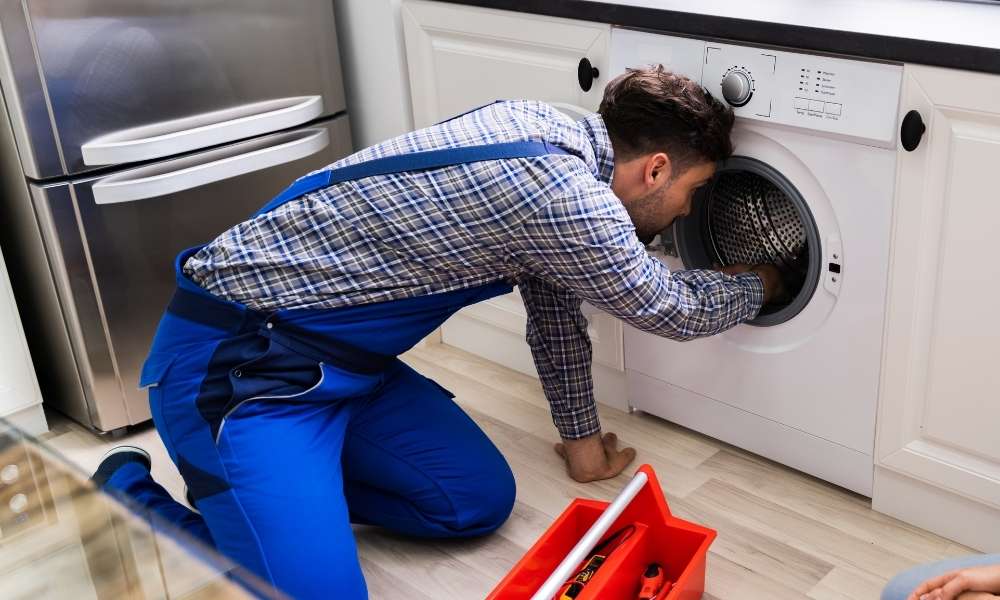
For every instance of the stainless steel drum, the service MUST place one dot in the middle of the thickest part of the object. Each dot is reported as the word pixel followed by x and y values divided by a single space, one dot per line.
pixel 752 222
pixel 751 214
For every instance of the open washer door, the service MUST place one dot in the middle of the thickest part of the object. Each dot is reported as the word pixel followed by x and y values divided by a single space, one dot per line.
pixel 751 214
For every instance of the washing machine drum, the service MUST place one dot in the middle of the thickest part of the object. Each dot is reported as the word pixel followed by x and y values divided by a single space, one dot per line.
pixel 751 214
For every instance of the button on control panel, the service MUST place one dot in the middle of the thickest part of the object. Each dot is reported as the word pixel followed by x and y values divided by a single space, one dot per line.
pixel 25 495
pixel 815 106
pixel 817 93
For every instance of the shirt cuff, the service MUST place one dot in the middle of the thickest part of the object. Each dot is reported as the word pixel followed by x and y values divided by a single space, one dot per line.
pixel 754 286
pixel 579 423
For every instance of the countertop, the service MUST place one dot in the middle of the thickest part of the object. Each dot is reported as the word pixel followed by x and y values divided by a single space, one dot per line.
pixel 946 33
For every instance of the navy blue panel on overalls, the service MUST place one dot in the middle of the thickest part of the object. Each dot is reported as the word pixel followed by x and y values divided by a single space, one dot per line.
pixel 289 425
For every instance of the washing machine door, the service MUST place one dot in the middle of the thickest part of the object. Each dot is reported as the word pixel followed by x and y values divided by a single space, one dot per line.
pixel 800 383
pixel 751 214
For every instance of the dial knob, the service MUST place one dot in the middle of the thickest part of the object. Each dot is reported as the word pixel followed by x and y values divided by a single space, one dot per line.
pixel 736 88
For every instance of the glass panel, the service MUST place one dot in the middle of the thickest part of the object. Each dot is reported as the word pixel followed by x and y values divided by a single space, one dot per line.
pixel 60 537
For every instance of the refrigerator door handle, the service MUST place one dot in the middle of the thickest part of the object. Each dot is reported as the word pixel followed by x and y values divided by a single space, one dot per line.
pixel 176 136
pixel 152 181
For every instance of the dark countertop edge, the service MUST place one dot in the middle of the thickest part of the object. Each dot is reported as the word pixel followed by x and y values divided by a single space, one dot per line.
pixel 861 45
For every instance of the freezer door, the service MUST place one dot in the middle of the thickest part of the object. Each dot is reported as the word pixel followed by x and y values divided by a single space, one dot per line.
pixel 111 82
pixel 111 242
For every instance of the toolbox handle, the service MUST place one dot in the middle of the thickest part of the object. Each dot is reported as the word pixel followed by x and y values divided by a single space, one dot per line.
pixel 590 539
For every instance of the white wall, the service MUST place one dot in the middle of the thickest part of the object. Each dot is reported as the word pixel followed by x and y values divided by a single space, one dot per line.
pixel 374 61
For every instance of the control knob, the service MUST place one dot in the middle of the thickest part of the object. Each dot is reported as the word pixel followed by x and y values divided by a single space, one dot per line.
pixel 736 87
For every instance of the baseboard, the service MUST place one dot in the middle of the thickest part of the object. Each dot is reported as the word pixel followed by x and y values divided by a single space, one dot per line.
pixel 937 510
pixel 816 456
pixel 30 420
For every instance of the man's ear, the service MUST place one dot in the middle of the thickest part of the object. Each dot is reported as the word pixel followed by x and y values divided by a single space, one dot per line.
pixel 658 169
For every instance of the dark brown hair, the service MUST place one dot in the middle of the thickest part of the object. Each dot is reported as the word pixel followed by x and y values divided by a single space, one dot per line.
pixel 653 110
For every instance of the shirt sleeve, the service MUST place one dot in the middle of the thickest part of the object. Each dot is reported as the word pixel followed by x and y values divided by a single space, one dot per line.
pixel 585 243
pixel 560 347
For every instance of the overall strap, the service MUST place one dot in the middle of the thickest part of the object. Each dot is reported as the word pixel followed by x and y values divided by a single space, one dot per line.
pixel 414 161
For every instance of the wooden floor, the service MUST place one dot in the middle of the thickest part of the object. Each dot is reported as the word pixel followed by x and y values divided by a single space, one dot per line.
pixel 782 534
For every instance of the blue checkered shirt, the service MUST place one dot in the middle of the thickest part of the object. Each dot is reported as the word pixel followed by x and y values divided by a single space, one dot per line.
pixel 550 224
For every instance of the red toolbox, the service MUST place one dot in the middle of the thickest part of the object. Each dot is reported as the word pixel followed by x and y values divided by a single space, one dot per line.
pixel 679 547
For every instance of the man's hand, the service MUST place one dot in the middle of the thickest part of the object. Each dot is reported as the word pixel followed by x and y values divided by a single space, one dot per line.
pixel 981 580
pixel 594 457
pixel 774 285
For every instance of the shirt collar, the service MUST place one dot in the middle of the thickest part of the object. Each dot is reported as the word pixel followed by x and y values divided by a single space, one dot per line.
pixel 593 124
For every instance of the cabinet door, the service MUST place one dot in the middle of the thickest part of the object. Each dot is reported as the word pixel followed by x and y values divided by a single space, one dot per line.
pixel 460 57
pixel 940 411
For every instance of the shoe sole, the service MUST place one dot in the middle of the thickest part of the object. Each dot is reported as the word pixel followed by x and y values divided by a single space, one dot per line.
pixel 110 465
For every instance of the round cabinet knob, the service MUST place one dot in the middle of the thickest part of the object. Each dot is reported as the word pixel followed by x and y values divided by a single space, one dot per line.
pixel 586 73
pixel 736 88
pixel 913 129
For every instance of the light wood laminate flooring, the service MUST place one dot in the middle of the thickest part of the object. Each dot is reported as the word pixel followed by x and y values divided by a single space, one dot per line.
pixel 782 534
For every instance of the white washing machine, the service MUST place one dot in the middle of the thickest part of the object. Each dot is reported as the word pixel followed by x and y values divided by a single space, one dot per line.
pixel 810 189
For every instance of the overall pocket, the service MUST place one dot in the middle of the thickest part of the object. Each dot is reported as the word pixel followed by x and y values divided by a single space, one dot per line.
pixel 153 373
pixel 155 368
pixel 282 375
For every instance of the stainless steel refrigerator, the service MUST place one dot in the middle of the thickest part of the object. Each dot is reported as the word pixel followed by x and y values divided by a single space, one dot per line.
pixel 133 129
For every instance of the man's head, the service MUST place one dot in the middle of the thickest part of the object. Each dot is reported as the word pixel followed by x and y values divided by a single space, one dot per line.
pixel 667 133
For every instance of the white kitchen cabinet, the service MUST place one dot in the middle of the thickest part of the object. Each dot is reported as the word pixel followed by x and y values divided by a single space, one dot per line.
pixel 20 398
pixel 938 445
pixel 461 57
pixel 380 104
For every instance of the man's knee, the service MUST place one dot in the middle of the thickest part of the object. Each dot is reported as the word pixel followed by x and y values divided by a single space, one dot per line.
pixel 486 506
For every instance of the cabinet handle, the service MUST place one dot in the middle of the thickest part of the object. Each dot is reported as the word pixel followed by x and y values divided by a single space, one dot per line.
pixel 586 73
pixel 912 130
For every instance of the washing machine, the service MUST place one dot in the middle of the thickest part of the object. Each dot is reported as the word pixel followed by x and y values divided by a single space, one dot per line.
pixel 809 189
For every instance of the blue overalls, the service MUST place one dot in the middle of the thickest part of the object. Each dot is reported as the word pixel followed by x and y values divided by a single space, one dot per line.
pixel 288 426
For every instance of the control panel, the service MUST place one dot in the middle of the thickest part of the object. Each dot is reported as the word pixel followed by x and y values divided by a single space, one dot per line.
pixel 848 97
pixel 744 80
pixel 25 497
pixel 818 94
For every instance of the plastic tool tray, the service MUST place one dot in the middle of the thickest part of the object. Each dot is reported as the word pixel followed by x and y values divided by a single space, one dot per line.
pixel 678 546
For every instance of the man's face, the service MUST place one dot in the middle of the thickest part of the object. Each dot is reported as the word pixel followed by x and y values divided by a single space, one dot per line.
pixel 656 201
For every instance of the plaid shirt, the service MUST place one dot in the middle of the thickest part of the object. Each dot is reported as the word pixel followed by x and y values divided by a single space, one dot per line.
pixel 550 224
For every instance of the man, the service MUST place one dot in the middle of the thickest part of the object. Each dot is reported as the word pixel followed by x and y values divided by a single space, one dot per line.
pixel 274 382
